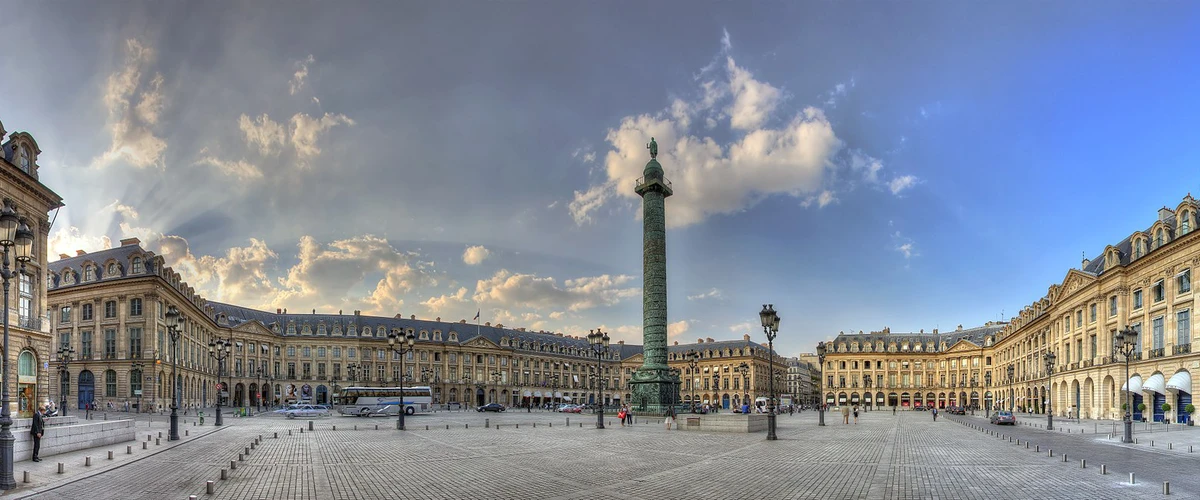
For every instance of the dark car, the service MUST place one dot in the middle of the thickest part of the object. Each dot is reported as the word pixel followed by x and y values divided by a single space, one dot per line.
pixel 1004 417
pixel 491 407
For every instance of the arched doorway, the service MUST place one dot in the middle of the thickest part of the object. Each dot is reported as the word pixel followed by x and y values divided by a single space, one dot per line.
pixel 322 395
pixel 893 399
pixel 479 397
pixel 878 399
pixel 725 401
pixel 27 383
pixel 266 394
pixel 239 395
pixel 905 400
pixel 253 394
pixel 87 388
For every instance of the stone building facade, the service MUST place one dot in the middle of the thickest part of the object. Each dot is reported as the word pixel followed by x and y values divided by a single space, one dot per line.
pixel 30 345
pixel 110 305
pixel 1142 282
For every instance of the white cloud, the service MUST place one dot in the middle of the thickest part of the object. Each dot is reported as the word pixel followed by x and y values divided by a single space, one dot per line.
pixel 753 100
pixel 306 130
pixel 267 135
pixel 901 183
pixel 744 327
pixel 904 245
pixel 711 294
pixel 444 304
pixel 514 290
pixel 67 240
pixel 135 103
pixel 906 249
pixel 327 274
pixel 301 74
pixel 241 276
pixel 474 255
pixel 676 329
pixel 824 198
pixel 236 168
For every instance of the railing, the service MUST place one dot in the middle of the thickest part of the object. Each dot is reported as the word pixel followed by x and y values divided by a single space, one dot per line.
pixel 1157 353
pixel 30 323
pixel 1181 349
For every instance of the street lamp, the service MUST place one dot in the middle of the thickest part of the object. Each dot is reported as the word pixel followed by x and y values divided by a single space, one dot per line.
pixel 987 402
pixel 693 359
pixel 1049 358
pixel 821 396
pixel 65 353
pixel 598 341
pixel 352 372
pixel 496 376
pixel 219 349
pixel 14 232
pixel 175 323
pixel 770 324
pixel 1125 342
pixel 401 342
pixel 744 369
pixel 1011 393
pixel 138 366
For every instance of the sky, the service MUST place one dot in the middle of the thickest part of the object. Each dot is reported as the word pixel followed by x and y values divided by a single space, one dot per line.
pixel 859 165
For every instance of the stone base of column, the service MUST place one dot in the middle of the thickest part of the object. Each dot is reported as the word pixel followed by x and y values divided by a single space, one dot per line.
pixel 655 390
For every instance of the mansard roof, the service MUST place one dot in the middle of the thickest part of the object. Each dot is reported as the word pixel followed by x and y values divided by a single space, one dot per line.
pixel 976 335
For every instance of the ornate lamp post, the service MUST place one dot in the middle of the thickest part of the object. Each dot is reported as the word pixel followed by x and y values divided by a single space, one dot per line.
pixel 987 403
pixel 554 386
pixel 1049 358
pixel 219 349
pixel 401 343
pixel 1012 394
pixel 1125 342
pixel 770 324
pixel 496 376
pixel 65 353
pixel 821 396
pixel 138 366
pixel 175 323
pixel 352 372
pixel 14 232
pixel 426 374
pixel 693 359
pixel 744 369
pixel 599 343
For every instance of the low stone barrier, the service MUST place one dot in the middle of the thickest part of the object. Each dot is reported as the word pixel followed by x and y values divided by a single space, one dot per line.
pixel 70 437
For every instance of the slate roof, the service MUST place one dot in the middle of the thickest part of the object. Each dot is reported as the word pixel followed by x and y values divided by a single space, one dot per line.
pixel 974 335
pixel 1125 246
pixel 121 254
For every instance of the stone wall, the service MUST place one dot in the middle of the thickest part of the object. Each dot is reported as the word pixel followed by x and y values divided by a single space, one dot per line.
pixel 65 434
pixel 717 422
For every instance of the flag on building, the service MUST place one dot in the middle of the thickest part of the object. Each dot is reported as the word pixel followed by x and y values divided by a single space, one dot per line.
pixel 476 315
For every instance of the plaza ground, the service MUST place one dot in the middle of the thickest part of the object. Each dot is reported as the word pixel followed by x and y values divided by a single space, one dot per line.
pixel 884 456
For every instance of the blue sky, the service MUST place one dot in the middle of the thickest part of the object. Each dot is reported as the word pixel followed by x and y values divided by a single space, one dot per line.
pixel 859 165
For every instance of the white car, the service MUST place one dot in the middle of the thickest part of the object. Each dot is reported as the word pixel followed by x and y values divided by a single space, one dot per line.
pixel 304 411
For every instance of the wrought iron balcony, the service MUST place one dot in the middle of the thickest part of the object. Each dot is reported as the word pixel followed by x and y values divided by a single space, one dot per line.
pixel 1157 353
pixel 1181 349
pixel 30 323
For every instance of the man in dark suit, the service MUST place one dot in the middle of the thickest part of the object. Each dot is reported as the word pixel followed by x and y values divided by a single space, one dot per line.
pixel 36 431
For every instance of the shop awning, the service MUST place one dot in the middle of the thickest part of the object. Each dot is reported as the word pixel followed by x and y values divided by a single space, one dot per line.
pixel 1155 383
pixel 616 396
pixel 1134 385
pixel 558 394
pixel 1181 382
pixel 527 393
pixel 537 394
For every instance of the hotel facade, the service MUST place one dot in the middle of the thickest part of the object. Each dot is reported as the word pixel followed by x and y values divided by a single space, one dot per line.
pixel 1141 283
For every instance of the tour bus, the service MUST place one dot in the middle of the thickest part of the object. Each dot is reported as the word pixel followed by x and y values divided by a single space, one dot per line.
pixel 368 401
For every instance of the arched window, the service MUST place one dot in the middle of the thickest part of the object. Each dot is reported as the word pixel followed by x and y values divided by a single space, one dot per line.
pixel 110 384
pixel 1139 248
pixel 23 154
pixel 89 273
pixel 26 365
pixel 112 269
pixel 1158 238
pixel 135 383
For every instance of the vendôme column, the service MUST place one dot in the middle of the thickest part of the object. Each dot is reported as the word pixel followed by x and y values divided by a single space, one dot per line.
pixel 655 386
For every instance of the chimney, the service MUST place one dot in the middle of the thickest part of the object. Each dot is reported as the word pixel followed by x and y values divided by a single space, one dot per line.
pixel 63 256
pixel 959 328
pixel 339 312
pixel 1164 212
pixel 622 342
pixel 314 311
pixel 922 330
pixel 521 329
pixel 935 331
pixel 130 241
pixel 708 339
pixel 357 312
pixel 412 316
pixel 699 341
pixel 462 321
pixel 746 337
pixel 487 323
pixel 285 310
pixel 79 253
pixel 278 311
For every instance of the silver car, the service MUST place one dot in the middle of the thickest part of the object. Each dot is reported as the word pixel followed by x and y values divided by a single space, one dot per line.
pixel 304 411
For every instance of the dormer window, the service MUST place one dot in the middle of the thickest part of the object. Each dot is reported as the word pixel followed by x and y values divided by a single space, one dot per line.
pixel 23 158
pixel 112 269
pixel 1139 248
pixel 437 335
pixel 49 280
pixel 1185 222
pixel 1158 238
pixel 89 273
pixel 137 265
pixel 454 336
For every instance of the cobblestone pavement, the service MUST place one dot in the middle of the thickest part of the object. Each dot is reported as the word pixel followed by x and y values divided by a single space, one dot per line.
pixel 884 456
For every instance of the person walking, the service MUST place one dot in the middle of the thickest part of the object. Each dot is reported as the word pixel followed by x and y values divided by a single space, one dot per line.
pixel 36 431
pixel 845 414
pixel 855 414
pixel 935 414
pixel 670 418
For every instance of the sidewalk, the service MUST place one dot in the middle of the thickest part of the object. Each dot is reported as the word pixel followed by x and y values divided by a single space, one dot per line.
pixel 1179 435
pixel 44 475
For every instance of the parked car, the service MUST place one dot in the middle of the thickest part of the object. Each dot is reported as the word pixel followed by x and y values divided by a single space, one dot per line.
pixel 294 411
pixel 496 407
pixel 1004 417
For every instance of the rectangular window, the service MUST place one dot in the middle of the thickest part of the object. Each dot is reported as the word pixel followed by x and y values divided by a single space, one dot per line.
pixel 350 352
pixel 1112 306
pixel 135 307
pixel 1183 327
pixel 1183 281
pixel 64 339
pixel 291 370
pixel 1157 332
pixel 1093 343
pixel 307 352
pixel 1137 299
pixel 291 351
pixel 110 344
pixel 110 309
pixel 135 343
pixel 25 305
pixel 320 352
pixel 87 312
pixel 110 384
pixel 65 316
pixel 337 352
pixel 1160 292
pixel 1092 314
pixel 307 369
pixel 1067 322
pixel 85 344
pixel 1079 350
pixel 1078 319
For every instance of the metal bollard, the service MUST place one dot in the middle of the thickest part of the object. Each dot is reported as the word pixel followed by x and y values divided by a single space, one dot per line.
pixel 426 427
pixel 1131 479
pixel 1103 469
pixel 208 487
pixel 356 427
pixel 191 497
pixel 87 461
pixel 187 432
pixel 1083 464
pixel 447 426
pixel 110 454
pixel 1037 449
pixel 276 435
pixel 568 421
pixel 1064 457
pixel 1166 487
pixel 224 474
pixel 310 427
pixel 128 450
pixel 157 442
pixel 376 426
pixel 518 426
pixel 247 451
pixel 144 447
pixel 25 477
pixel 233 465
pixel 160 434
pixel 60 467
pixel 240 459
pixel 1050 452
pixel 335 427
pixel 1170 446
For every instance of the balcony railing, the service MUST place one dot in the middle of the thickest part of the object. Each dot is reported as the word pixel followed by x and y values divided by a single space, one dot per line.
pixel 30 323
pixel 1157 353
pixel 1181 349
